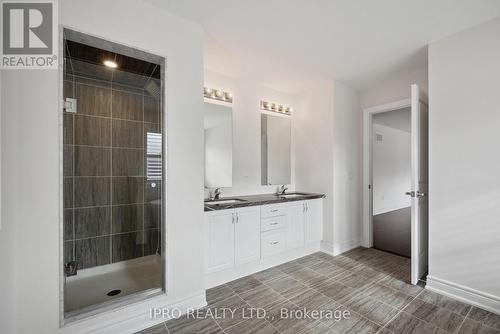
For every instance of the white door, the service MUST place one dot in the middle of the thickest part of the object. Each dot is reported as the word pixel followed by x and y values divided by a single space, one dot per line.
pixel 220 240
pixel 247 235
pixel 295 212
pixel 419 185
pixel 314 220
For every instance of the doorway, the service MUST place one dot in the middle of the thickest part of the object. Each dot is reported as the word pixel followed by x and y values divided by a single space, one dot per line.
pixel 395 173
pixel 391 170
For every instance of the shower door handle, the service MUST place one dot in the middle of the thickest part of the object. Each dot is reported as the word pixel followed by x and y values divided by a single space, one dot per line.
pixel 410 193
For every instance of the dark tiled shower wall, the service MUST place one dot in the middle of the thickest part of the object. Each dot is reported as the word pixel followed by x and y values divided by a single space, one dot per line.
pixel 109 210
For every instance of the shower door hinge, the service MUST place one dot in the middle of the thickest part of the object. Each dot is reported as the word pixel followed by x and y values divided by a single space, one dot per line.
pixel 70 105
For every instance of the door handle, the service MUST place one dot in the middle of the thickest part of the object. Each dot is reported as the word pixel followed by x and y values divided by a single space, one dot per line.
pixel 232 218
pixel 237 218
pixel 420 194
pixel 410 193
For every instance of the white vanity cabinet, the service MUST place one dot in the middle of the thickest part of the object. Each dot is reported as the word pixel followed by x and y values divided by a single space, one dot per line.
pixel 246 239
pixel 295 219
pixel 313 220
pixel 232 237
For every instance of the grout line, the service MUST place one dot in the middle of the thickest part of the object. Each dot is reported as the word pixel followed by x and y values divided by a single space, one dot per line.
pixel 165 325
pixel 463 321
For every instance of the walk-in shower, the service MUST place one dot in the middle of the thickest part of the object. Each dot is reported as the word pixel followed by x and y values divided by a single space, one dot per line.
pixel 113 177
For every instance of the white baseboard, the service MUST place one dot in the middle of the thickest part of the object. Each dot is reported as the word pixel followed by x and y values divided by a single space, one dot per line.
pixel 224 276
pixel 326 247
pixel 136 317
pixel 342 247
pixel 465 294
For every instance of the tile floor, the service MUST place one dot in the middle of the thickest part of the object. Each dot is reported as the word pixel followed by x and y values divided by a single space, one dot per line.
pixel 371 285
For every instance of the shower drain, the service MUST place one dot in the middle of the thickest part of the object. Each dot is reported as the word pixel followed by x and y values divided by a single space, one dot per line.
pixel 114 292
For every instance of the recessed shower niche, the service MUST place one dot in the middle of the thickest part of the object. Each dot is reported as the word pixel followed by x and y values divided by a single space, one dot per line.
pixel 113 179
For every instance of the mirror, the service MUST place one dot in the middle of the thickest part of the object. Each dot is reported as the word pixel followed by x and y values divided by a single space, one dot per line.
pixel 218 125
pixel 275 151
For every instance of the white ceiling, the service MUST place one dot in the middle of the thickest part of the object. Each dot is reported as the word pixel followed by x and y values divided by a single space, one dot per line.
pixel 396 119
pixel 286 44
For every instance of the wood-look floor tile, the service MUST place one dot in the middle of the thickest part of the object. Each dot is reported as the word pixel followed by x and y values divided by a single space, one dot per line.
pixel 387 295
pixel 310 299
pixel 252 326
pixel 400 285
pixel 473 327
pixel 485 317
pixel 354 280
pixel 305 274
pixel 261 296
pixel 188 325
pixel 353 324
pixel 327 269
pixel 269 275
pixel 444 301
pixel 437 316
pixel 158 329
pixel 408 324
pixel 371 308
pixel 244 284
pixel 230 311
pixel 289 267
pixel 335 290
pixel 287 286
pixel 219 293
pixel 281 317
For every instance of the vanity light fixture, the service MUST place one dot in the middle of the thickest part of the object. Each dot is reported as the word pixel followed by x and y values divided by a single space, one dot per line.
pixel 110 63
pixel 217 94
pixel 275 107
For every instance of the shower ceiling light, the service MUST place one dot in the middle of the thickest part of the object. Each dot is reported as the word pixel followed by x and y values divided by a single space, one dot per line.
pixel 216 94
pixel 275 107
pixel 110 63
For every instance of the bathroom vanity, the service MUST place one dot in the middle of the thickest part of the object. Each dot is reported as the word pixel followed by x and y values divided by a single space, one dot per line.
pixel 251 233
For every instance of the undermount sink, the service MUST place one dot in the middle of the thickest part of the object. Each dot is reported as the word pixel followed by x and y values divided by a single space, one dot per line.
pixel 292 195
pixel 224 201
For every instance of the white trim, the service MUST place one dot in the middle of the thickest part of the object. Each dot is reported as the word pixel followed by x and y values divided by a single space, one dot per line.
pixel 134 317
pixel 326 247
pixel 367 163
pixel 230 274
pixel 465 294
pixel 339 248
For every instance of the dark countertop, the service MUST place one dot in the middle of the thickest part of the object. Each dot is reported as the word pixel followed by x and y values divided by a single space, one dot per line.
pixel 263 199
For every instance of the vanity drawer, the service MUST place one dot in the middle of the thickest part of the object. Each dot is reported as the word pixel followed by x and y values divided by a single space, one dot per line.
pixel 272 210
pixel 273 242
pixel 272 223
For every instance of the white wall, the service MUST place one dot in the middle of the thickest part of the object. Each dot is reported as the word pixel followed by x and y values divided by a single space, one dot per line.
pixel 347 168
pixel 396 87
pixel 391 169
pixel 328 136
pixel 314 149
pixel 30 191
pixel 7 232
pixel 464 165
pixel 247 95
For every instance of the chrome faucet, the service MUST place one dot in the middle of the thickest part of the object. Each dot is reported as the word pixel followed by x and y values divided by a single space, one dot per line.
pixel 216 193
pixel 281 190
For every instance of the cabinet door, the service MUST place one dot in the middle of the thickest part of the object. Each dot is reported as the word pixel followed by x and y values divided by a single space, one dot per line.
pixel 314 220
pixel 247 235
pixel 220 240
pixel 295 224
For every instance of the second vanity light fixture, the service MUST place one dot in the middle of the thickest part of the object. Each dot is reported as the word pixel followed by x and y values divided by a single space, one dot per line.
pixel 275 107
pixel 216 94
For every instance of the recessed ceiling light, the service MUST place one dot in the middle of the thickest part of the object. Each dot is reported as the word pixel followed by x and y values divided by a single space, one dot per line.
pixel 110 63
